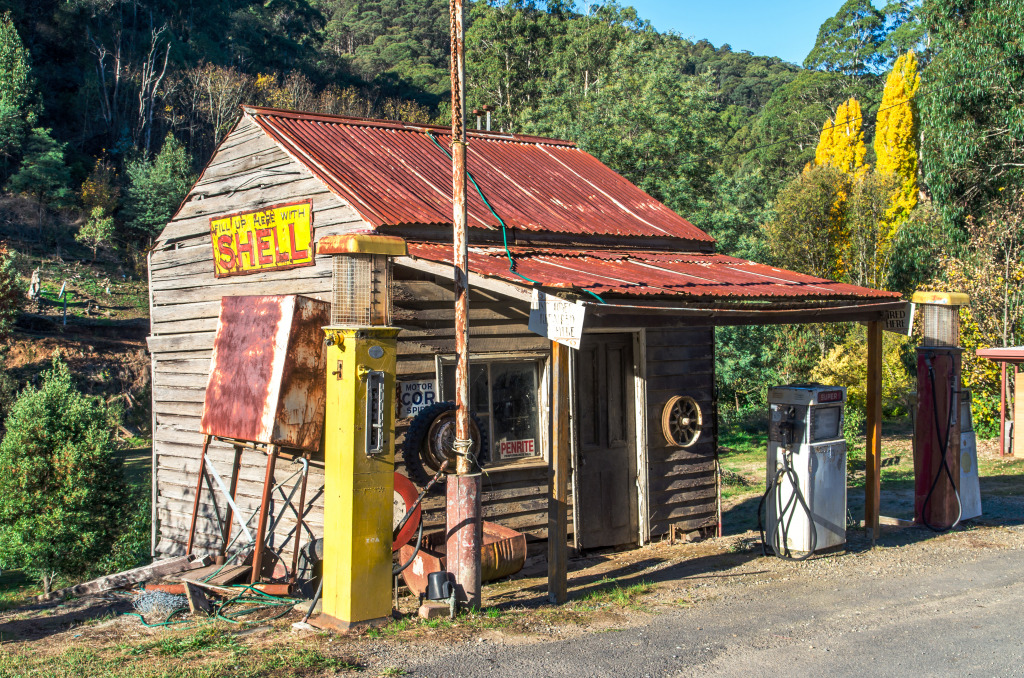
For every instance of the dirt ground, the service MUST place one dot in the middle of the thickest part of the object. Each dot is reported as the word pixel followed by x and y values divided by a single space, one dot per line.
pixel 608 591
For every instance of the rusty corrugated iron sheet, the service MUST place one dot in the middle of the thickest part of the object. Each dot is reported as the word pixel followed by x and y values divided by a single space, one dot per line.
pixel 267 379
pixel 647 273
pixel 393 174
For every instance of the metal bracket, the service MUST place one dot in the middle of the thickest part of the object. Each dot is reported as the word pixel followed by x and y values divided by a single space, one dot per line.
pixel 227 495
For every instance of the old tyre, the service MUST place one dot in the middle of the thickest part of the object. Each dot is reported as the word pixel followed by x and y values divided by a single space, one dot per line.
pixel 430 441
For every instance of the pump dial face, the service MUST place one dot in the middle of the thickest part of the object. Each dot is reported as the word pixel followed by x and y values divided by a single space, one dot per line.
pixel 681 421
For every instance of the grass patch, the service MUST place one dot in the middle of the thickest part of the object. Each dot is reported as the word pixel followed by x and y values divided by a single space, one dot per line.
pixel 206 653
pixel 198 641
pixel 741 455
pixel 608 592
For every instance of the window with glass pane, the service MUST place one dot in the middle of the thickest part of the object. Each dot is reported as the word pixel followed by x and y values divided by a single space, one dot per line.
pixel 504 395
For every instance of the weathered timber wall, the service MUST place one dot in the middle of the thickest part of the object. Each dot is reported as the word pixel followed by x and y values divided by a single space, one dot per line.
pixel 681 481
pixel 250 171
pixel 515 496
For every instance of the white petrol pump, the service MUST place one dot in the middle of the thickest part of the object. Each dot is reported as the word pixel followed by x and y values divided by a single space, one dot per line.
pixel 804 504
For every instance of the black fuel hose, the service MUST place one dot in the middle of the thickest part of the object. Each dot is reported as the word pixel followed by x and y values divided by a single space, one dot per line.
pixel 781 524
pixel 395 571
pixel 943 446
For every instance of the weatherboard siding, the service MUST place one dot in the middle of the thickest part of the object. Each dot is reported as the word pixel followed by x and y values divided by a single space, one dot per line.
pixel 682 482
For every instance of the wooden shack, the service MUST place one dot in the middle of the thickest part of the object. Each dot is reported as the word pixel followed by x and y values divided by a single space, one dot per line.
pixel 650 284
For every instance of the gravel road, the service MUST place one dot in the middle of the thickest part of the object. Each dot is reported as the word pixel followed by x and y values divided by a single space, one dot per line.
pixel 916 605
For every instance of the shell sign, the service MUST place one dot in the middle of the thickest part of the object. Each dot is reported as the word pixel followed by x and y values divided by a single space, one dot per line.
pixel 276 237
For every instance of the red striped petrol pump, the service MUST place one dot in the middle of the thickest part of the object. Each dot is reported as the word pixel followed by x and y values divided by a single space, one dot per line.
pixel 937 424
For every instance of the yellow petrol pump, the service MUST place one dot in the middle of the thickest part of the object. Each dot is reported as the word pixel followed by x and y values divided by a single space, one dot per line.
pixel 359 451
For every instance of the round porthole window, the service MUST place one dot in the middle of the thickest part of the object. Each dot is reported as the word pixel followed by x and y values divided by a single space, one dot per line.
pixel 681 421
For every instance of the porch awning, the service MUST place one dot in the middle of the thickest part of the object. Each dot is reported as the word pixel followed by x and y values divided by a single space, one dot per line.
pixel 728 289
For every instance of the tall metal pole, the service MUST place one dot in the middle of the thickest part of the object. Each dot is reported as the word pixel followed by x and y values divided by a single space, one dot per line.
pixel 464 526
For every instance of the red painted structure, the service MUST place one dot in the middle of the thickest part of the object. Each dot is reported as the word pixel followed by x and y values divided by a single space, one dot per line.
pixel 267 382
pixel 1005 355
pixel 937 423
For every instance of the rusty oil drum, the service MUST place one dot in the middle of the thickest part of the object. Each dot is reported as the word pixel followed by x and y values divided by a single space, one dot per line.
pixel 502 555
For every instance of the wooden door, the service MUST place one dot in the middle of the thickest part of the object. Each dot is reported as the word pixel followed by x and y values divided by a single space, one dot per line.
pixel 606 476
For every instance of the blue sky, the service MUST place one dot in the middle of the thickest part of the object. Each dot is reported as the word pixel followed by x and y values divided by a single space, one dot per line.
pixel 784 29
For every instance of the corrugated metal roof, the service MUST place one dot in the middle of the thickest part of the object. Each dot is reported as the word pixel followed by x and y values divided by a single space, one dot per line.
pixel 393 174
pixel 709 277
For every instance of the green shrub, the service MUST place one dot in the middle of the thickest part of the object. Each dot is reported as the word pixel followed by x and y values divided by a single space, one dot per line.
pixel 10 290
pixel 63 499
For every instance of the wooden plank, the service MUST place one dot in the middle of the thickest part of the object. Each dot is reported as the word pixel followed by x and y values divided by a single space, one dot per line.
pixel 197 602
pixel 188 409
pixel 873 453
pixel 204 354
pixel 558 550
pixel 180 342
pixel 170 377
pixel 256 161
pixel 688 496
pixel 701 351
pixel 242 144
pixel 706 509
pixel 127 578
pixel 663 526
pixel 698 453
pixel 219 590
pixel 667 368
pixel 674 469
pixel 317 287
pixel 217 575
pixel 174 312
pixel 682 337
pixel 683 384
pixel 179 395
pixel 660 485
pixel 255 281
pixel 229 196
pixel 185 326
pixel 171 258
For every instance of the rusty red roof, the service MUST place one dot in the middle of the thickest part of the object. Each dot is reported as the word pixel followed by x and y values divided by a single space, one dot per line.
pixel 393 174
pixel 709 277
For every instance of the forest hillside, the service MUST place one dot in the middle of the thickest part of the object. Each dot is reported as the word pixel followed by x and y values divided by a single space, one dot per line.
pixel 891 157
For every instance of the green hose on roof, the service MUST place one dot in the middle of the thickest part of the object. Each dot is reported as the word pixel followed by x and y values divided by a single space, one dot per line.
pixel 504 228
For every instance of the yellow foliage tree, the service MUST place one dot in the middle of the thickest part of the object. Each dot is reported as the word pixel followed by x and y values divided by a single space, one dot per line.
pixel 841 147
pixel 845 364
pixel 841 144
pixel 896 142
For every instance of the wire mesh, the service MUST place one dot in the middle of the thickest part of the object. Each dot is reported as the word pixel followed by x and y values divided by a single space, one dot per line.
pixel 941 325
pixel 360 291
pixel 160 602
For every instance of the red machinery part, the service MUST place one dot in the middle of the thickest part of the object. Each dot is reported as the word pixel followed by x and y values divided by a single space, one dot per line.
pixel 405 488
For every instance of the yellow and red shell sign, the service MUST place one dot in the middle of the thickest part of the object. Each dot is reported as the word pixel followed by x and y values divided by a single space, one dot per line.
pixel 275 237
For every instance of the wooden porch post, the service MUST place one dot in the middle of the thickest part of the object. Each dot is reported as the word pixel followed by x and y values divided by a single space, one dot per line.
pixel 558 496
pixel 873 453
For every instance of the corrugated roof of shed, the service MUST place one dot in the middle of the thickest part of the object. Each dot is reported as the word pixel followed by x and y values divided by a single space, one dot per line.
pixel 710 277
pixel 393 174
